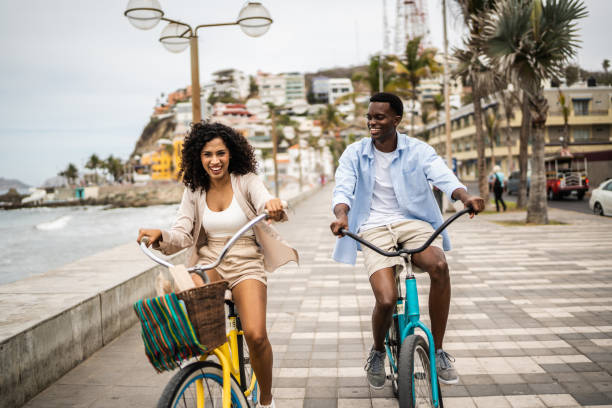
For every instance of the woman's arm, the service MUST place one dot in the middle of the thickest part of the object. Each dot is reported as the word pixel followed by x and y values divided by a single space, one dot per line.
pixel 181 234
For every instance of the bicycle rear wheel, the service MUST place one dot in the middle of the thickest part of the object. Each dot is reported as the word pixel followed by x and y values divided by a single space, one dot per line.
pixel 415 374
pixel 181 391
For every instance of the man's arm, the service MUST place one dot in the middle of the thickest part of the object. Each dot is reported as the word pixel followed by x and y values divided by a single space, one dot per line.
pixel 341 212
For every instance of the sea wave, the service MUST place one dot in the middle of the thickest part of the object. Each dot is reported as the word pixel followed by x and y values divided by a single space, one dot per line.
pixel 57 224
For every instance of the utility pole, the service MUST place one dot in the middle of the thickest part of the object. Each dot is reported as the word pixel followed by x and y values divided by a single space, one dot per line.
pixel 449 153
pixel 274 148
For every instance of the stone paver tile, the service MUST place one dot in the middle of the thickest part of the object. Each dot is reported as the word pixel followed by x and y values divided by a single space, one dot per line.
pixel 289 403
pixel 497 401
pixel 354 403
pixel 525 401
pixel 291 393
pixel 459 402
pixel 384 403
pixel 558 400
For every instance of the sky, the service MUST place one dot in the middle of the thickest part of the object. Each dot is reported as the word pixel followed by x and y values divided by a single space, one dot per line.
pixel 76 78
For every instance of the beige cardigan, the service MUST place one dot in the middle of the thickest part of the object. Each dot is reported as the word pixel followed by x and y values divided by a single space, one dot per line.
pixel 252 196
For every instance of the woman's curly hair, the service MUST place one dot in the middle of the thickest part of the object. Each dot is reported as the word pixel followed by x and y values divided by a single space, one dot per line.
pixel 242 157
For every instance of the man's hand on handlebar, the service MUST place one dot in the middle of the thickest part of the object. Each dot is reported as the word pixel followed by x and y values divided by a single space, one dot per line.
pixel 152 235
pixel 475 203
pixel 341 212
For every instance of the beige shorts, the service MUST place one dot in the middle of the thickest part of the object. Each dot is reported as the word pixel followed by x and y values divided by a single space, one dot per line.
pixel 405 234
pixel 243 261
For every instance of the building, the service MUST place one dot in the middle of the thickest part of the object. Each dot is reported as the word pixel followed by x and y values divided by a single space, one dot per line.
pixel 590 133
pixel 231 82
pixel 281 89
pixel 271 88
pixel 295 87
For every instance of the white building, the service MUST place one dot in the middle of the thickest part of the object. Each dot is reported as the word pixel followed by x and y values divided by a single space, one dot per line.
pixel 339 87
pixel 295 87
pixel 320 89
pixel 271 88
pixel 232 82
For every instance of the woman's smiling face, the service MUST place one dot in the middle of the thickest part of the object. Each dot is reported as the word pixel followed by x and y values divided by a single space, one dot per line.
pixel 215 159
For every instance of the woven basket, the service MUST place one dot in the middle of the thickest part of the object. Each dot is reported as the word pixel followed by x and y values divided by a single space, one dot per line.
pixel 206 309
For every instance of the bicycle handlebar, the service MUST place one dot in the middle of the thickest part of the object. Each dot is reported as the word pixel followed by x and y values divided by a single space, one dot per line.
pixel 200 269
pixel 433 236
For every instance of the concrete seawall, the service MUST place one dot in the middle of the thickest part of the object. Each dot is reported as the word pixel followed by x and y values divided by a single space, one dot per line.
pixel 50 323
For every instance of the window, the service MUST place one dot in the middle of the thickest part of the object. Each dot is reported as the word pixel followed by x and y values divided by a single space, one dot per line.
pixel 609 186
pixel 581 107
pixel 581 135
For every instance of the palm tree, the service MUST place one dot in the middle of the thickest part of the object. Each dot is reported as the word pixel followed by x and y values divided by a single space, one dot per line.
pixel 71 173
pixel 531 41
pixel 438 105
pixel 565 111
pixel 492 124
pixel 606 65
pixel 371 77
pixel 416 65
pixel 94 163
pixel 425 119
pixel 507 98
pixel 473 70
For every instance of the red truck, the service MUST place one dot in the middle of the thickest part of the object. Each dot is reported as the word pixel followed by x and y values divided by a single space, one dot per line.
pixel 566 175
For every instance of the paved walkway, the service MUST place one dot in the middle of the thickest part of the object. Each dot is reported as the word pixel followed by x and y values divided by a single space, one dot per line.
pixel 530 324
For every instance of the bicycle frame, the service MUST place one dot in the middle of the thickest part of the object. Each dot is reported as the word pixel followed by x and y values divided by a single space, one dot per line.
pixel 227 354
pixel 408 315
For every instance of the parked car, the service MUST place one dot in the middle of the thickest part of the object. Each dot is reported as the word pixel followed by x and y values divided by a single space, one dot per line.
pixel 514 181
pixel 601 199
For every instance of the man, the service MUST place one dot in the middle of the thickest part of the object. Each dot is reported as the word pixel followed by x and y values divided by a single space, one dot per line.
pixel 382 192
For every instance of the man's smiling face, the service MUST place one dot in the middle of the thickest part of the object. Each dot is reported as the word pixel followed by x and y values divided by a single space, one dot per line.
pixel 382 121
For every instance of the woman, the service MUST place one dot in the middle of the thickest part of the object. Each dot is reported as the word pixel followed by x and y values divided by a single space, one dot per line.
pixel 222 193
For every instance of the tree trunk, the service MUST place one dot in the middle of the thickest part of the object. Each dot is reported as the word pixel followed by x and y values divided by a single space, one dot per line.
pixel 536 208
pixel 524 152
pixel 481 171
pixel 509 145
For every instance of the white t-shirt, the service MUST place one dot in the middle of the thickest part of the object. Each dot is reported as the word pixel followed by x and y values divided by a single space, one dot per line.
pixel 385 209
pixel 220 224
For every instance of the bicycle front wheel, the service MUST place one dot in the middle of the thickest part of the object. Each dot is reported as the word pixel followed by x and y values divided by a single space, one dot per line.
pixel 415 374
pixel 200 380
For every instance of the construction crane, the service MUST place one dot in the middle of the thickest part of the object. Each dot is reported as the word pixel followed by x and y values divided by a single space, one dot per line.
pixel 415 22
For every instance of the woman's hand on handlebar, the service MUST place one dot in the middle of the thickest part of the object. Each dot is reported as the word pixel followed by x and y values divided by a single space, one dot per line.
pixel 275 209
pixel 152 235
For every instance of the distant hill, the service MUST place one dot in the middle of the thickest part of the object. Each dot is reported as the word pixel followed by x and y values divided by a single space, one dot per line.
pixel 6 184
pixel 154 130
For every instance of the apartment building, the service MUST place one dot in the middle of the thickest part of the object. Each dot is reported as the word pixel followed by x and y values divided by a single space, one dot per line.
pixel 231 81
pixel 590 132
pixel 295 87
pixel 271 88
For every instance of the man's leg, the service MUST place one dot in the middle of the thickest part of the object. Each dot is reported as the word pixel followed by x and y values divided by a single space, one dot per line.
pixel 385 292
pixel 433 261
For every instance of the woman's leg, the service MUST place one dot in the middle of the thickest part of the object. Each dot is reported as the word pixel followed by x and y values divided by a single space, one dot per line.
pixel 251 296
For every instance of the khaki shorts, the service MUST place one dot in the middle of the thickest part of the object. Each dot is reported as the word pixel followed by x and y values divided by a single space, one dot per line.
pixel 405 234
pixel 243 261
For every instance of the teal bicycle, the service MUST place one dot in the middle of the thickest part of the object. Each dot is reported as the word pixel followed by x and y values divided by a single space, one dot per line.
pixel 411 357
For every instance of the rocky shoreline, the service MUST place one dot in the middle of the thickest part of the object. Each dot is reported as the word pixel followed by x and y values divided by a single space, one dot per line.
pixel 115 196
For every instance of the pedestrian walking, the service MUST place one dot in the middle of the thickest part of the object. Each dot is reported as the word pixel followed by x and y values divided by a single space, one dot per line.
pixel 497 181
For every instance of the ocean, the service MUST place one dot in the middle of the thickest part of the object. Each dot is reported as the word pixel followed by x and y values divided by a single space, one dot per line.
pixel 36 240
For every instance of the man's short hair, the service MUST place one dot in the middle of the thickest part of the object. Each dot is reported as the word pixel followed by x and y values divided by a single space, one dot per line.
pixel 393 100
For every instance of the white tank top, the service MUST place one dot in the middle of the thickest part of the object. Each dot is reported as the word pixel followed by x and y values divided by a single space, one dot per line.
pixel 226 223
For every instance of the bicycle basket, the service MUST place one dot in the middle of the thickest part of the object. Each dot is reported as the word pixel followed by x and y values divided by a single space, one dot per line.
pixel 170 328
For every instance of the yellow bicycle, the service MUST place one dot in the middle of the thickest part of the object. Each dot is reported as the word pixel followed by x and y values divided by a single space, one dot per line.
pixel 228 383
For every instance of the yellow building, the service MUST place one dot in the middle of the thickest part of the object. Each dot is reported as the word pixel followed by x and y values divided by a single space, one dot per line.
pixel 177 149
pixel 159 164
pixel 590 132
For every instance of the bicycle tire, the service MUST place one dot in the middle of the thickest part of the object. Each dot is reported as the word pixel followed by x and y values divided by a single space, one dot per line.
pixel 176 391
pixel 415 383
pixel 393 343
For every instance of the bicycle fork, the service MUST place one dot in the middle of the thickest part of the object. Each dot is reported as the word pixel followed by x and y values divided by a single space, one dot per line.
pixel 409 320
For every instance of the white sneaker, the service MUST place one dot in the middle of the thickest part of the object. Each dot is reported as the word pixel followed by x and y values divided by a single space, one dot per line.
pixel 267 406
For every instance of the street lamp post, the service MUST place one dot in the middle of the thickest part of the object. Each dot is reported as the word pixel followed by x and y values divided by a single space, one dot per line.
pixel 254 20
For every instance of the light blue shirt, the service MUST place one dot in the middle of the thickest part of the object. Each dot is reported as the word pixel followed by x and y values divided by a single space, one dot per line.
pixel 414 165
